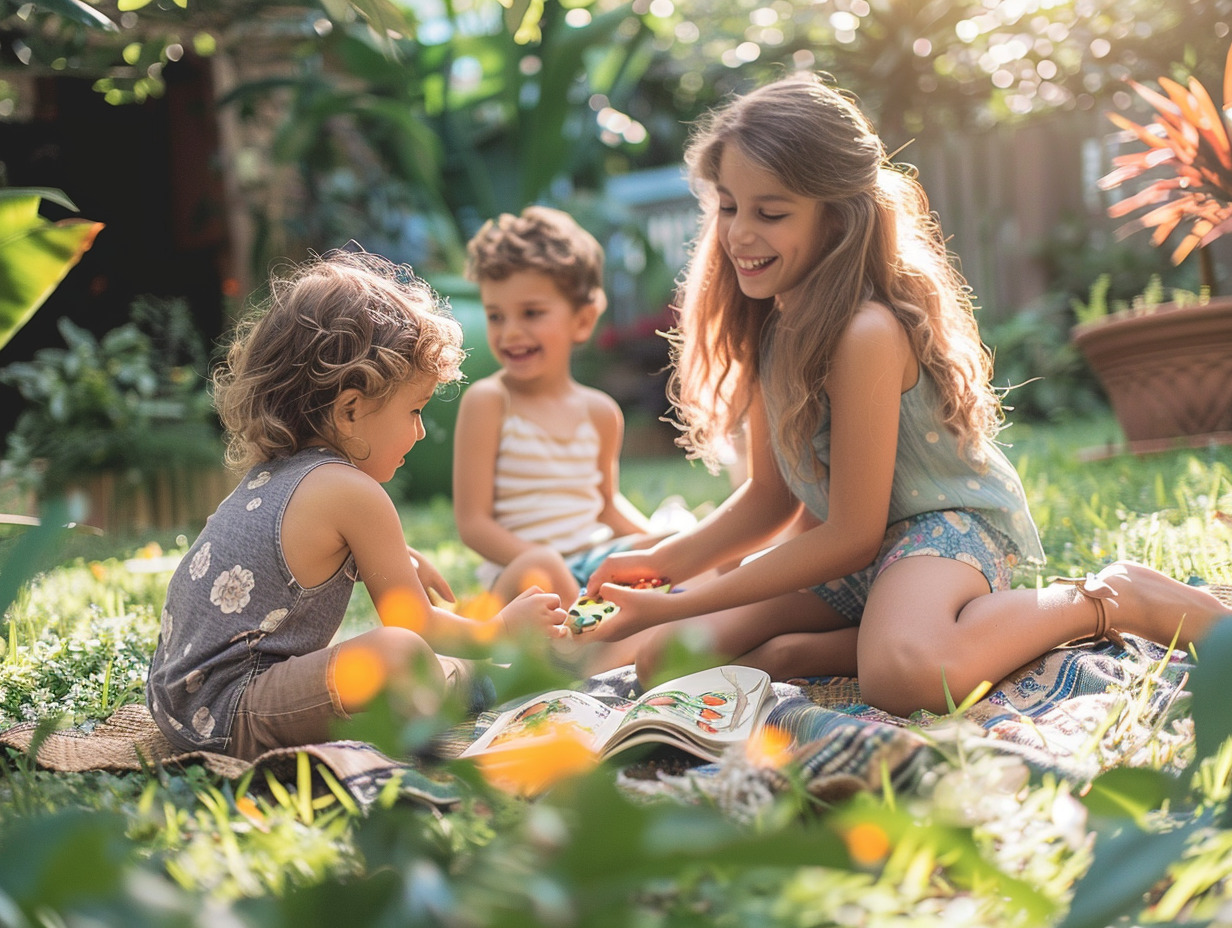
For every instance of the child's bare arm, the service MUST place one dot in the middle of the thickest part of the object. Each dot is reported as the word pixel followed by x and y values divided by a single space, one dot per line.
pixel 621 515
pixel 872 365
pixel 475 445
pixel 360 511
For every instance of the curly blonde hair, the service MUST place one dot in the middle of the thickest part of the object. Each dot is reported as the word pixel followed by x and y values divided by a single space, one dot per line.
pixel 339 321
pixel 888 248
pixel 539 239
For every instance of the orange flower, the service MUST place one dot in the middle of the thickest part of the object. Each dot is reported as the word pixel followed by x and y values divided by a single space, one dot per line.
pixel 247 808
pixel 533 765
pixel 399 607
pixel 867 843
pixel 769 747
pixel 359 674
pixel 483 610
pixel 535 577
pixel 98 570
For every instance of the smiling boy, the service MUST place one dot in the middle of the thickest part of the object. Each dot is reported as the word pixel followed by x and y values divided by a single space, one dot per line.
pixel 536 454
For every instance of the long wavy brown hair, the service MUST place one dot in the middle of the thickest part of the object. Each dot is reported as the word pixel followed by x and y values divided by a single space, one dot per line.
pixel 885 246
pixel 339 321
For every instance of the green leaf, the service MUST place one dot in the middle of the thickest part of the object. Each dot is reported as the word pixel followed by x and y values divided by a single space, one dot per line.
pixel 1127 864
pixel 52 861
pixel 79 12
pixel 35 254
pixel 32 551
pixel 1128 791
pixel 58 197
pixel 1212 710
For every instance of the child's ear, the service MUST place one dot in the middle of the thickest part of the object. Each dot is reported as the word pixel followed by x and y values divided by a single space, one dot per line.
pixel 345 410
pixel 586 317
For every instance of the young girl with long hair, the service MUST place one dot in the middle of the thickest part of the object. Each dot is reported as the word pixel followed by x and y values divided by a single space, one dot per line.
pixel 821 312
pixel 321 395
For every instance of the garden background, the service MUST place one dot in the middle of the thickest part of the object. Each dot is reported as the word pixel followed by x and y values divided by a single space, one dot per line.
pixel 212 140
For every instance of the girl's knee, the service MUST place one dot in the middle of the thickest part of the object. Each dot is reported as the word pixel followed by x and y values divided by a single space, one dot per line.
pixel 650 653
pixel 540 566
pixel 903 677
pixel 407 658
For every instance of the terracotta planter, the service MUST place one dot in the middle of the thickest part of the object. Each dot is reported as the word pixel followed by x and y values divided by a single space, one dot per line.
pixel 1167 372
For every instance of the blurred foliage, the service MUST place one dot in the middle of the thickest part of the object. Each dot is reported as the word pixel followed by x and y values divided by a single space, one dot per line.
pixel 927 64
pixel 452 113
pixel 135 399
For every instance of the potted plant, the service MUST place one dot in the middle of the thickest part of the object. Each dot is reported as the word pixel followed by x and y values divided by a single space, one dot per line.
pixel 1166 364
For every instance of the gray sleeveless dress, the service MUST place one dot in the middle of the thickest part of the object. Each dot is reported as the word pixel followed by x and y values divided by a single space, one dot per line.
pixel 233 609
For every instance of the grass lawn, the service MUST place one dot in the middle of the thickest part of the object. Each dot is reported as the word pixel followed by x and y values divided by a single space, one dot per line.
pixel 171 847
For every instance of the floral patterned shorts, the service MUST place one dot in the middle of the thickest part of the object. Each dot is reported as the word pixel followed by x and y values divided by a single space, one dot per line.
pixel 957 534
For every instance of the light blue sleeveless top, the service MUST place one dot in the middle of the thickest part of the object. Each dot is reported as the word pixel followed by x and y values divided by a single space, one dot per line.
pixel 930 473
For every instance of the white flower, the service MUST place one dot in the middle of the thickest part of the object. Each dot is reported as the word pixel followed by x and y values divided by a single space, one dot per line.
pixel 273 620
pixel 260 480
pixel 231 589
pixel 203 722
pixel 200 563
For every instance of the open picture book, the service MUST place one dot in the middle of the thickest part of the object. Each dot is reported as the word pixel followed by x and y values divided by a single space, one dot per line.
pixel 701 713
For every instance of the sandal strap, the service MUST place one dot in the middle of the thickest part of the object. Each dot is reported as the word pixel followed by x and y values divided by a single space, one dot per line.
pixel 1096 590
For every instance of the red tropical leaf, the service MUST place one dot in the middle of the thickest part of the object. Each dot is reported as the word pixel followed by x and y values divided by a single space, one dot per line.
pixel 1227 79
pixel 1188 146
pixel 1164 220
pixel 1145 135
pixel 1184 101
pixel 1196 233
pixel 1216 231
pixel 1157 192
pixel 1211 124
pixel 1167 109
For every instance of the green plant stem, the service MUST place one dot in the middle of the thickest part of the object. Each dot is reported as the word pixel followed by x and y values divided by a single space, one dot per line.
pixel 1206 271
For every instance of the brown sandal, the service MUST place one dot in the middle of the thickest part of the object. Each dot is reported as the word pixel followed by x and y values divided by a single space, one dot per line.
pixel 1096 590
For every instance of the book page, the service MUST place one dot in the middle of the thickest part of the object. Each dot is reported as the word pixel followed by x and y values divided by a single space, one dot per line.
pixel 582 716
pixel 722 704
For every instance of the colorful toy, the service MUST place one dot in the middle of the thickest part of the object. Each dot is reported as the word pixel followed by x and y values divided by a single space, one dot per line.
pixel 588 611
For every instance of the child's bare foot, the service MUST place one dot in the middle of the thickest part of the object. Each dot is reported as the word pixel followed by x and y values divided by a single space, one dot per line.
pixel 1143 601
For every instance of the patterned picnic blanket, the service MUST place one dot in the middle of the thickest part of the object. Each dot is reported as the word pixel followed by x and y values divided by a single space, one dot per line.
pixel 1076 711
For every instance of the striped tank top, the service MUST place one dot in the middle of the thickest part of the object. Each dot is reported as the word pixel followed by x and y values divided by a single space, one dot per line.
pixel 547 486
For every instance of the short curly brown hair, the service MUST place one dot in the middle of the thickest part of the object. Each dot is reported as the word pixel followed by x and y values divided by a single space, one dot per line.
pixel 540 239
pixel 339 321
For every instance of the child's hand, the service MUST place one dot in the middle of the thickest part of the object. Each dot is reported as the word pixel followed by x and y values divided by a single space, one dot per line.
pixel 431 578
pixel 627 567
pixel 535 611
pixel 637 609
